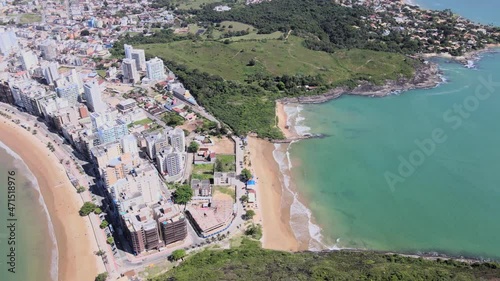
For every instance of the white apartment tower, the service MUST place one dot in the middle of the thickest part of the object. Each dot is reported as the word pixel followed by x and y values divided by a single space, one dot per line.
pixel 49 49
pixel 92 94
pixel 28 60
pixel 67 90
pixel 50 72
pixel 155 69
pixel 129 145
pixel 130 74
pixel 128 51
pixel 177 139
pixel 173 162
pixel 8 42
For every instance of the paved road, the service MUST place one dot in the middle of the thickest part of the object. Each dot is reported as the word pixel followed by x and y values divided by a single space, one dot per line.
pixel 65 153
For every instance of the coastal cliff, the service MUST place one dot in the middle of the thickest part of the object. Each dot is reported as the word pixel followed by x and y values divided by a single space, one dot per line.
pixel 427 75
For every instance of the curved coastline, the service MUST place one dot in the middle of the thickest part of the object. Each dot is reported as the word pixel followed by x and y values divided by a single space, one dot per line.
pixel 76 259
pixel 286 126
pixel 426 76
pixel 34 183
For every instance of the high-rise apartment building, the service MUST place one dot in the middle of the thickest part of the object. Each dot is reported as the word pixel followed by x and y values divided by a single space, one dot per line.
pixel 139 57
pixel 142 230
pixel 129 69
pixel 129 145
pixel 48 48
pixel 111 132
pixel 6 93
pixel 155 69
pixel 171 223
pixel 67 90
pixel 8 42
pixel 28 60
pixel 92 94
pixel 50 72
pixel 128 51
pixel 177 139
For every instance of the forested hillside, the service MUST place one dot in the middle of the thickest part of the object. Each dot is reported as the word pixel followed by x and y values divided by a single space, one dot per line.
pixel 250 262
pixel 325 25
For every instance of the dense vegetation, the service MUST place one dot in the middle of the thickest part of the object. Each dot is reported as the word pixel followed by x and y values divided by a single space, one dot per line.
pixel 250 262
pixel 325 25
pixel 247 105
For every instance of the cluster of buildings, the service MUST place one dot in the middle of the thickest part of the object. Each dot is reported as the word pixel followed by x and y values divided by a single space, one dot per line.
pixel 48 69
pixel 212 214
pixel 135 63
pixel 432 31
pixel 39 77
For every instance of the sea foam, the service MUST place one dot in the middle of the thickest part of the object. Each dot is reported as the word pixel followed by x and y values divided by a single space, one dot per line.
pixel 295 120
pixel 301 221
pixel 20 164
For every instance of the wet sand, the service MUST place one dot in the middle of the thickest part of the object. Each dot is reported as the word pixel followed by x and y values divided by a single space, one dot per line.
pixel 274 211
pixel 75 239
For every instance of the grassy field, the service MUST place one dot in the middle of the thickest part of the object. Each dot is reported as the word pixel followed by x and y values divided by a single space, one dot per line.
pixel 143 121
pixel 203 171
pixel 193 4
pixel 233 26
pixel 101 73
pixel 278 57
pixel 255 36
pixel 30 18
pixel 229 190
pixel 226 163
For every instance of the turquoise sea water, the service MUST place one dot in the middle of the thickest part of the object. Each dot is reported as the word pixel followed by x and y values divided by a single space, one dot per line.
pixel 449 200
pixel 34 244
pixel 484 11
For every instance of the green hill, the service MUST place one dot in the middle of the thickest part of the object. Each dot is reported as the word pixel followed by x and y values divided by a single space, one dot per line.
pixel 250 262
pixel 279 57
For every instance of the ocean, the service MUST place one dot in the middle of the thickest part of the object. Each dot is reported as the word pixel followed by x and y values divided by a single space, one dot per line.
pixel 414 172
pixel 35 253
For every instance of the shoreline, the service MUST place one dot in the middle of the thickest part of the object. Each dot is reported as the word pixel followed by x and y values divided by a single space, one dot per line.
pixel 76 258
pixel 426 76
pixel 274 210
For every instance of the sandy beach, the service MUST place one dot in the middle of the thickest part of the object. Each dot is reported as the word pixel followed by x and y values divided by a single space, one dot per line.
pixel 282 121
pixel 75 239
pixel 277 232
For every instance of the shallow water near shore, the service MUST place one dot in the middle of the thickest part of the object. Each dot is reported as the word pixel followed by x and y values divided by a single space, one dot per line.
pixel 446 201
pixel 484 11
pixel 35 249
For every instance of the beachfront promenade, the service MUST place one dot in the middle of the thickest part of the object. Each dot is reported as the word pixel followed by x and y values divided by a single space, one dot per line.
pixel 65 156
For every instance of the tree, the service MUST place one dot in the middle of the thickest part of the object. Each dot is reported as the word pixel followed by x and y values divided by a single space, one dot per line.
pixel 244 198
pixel 183 194
pixel 251 62
pixel 104 224
pixel 245 175
pixel 255 230
pixel 87 208
pixel 178 254
pixel 249 214
pixel 110 240
pixel 172 119
pixel 193 147
pixel 97 211
pixel 218 166
pixel 101 277
pixel 80 189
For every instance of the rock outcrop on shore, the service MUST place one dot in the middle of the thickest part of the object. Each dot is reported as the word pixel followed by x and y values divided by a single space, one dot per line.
pixel 427 75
